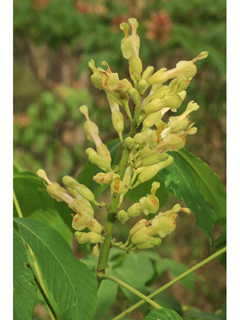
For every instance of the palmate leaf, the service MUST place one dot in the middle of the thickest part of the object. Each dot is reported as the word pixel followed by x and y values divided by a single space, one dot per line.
pixel 178 179
pixel 73 285
pixel 207 182
pixel 24 289
pixel 163 314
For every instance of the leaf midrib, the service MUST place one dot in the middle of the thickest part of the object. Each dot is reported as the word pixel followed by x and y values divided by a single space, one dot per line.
pixel 71 285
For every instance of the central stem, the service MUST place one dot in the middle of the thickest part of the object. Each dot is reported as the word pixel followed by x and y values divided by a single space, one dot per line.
pixel 111 213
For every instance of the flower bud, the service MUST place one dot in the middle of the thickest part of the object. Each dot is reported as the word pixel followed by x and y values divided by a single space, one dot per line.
pixel 135 64
pixel 135 210
pixel 90 128
pixel 151 119
pixel 129 142
pixel 142 86
pixel 140 224
pixel 147 73
pixel 80 222
pixel 134 95
pixel 177 85
pixel 102 178
pixel 84 202
pixel 126 85
pixel 104 152
pixel 160 93
pixel 154 158
pixel 140 236
pixel 56 192
pixel 118 121
pixel 95 226
pixel 100 162
pixel 91 237
pixel 149 172
pixel 171 142
pixel 146 152
pixel 95 251
pixel 80 188
pixel 158 77
pixel 122 216
pixel 151 242
pixel 173 102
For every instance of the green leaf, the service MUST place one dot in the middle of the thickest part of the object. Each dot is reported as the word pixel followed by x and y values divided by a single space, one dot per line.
pixel 53 219
pixel 106 297
pixel 73 285
pixel 179 181
pixel 207 182
pixel 135 270
pixel 219 244
pixel 163 314
pixel 24 288
pixel 33 199
pixel 195 313
pixel 166 300
pixel 177 268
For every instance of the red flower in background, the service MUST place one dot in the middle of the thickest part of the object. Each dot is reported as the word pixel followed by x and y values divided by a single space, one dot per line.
pixel 159 27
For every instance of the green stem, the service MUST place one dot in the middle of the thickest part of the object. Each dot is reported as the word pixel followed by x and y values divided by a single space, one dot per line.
pixel 131 289
pixel 105 247
pixel 170 283
pixel 111 213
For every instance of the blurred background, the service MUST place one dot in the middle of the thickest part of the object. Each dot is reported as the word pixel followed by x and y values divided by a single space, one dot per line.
pixel 53 42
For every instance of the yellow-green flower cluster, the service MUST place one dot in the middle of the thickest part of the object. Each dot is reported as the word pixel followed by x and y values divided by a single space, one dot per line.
pixel 147 147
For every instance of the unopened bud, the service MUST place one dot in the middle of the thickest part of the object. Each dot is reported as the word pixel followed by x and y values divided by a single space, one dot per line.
pixel 91 237
pixel 139 225
pixel 80 188
pixel 129 142
pixel 151 242
pixel 135 210
pixel 102 178
pixel 149 172
pixel 122 216
pixel 160 93
pixel 84 202
pixel 173 102
pixel 118 121
pixel 140 236
pixel 147 73
pixel 158 77
pixel 153 159
pixel 95 251
pixel 95 226
pixel 104 152
pixel 142 86
pixel 134 95
pixel 100 162
pixel 80 222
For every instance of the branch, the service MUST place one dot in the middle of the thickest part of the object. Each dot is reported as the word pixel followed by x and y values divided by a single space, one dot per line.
pixel 131 289
pixel 170 283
